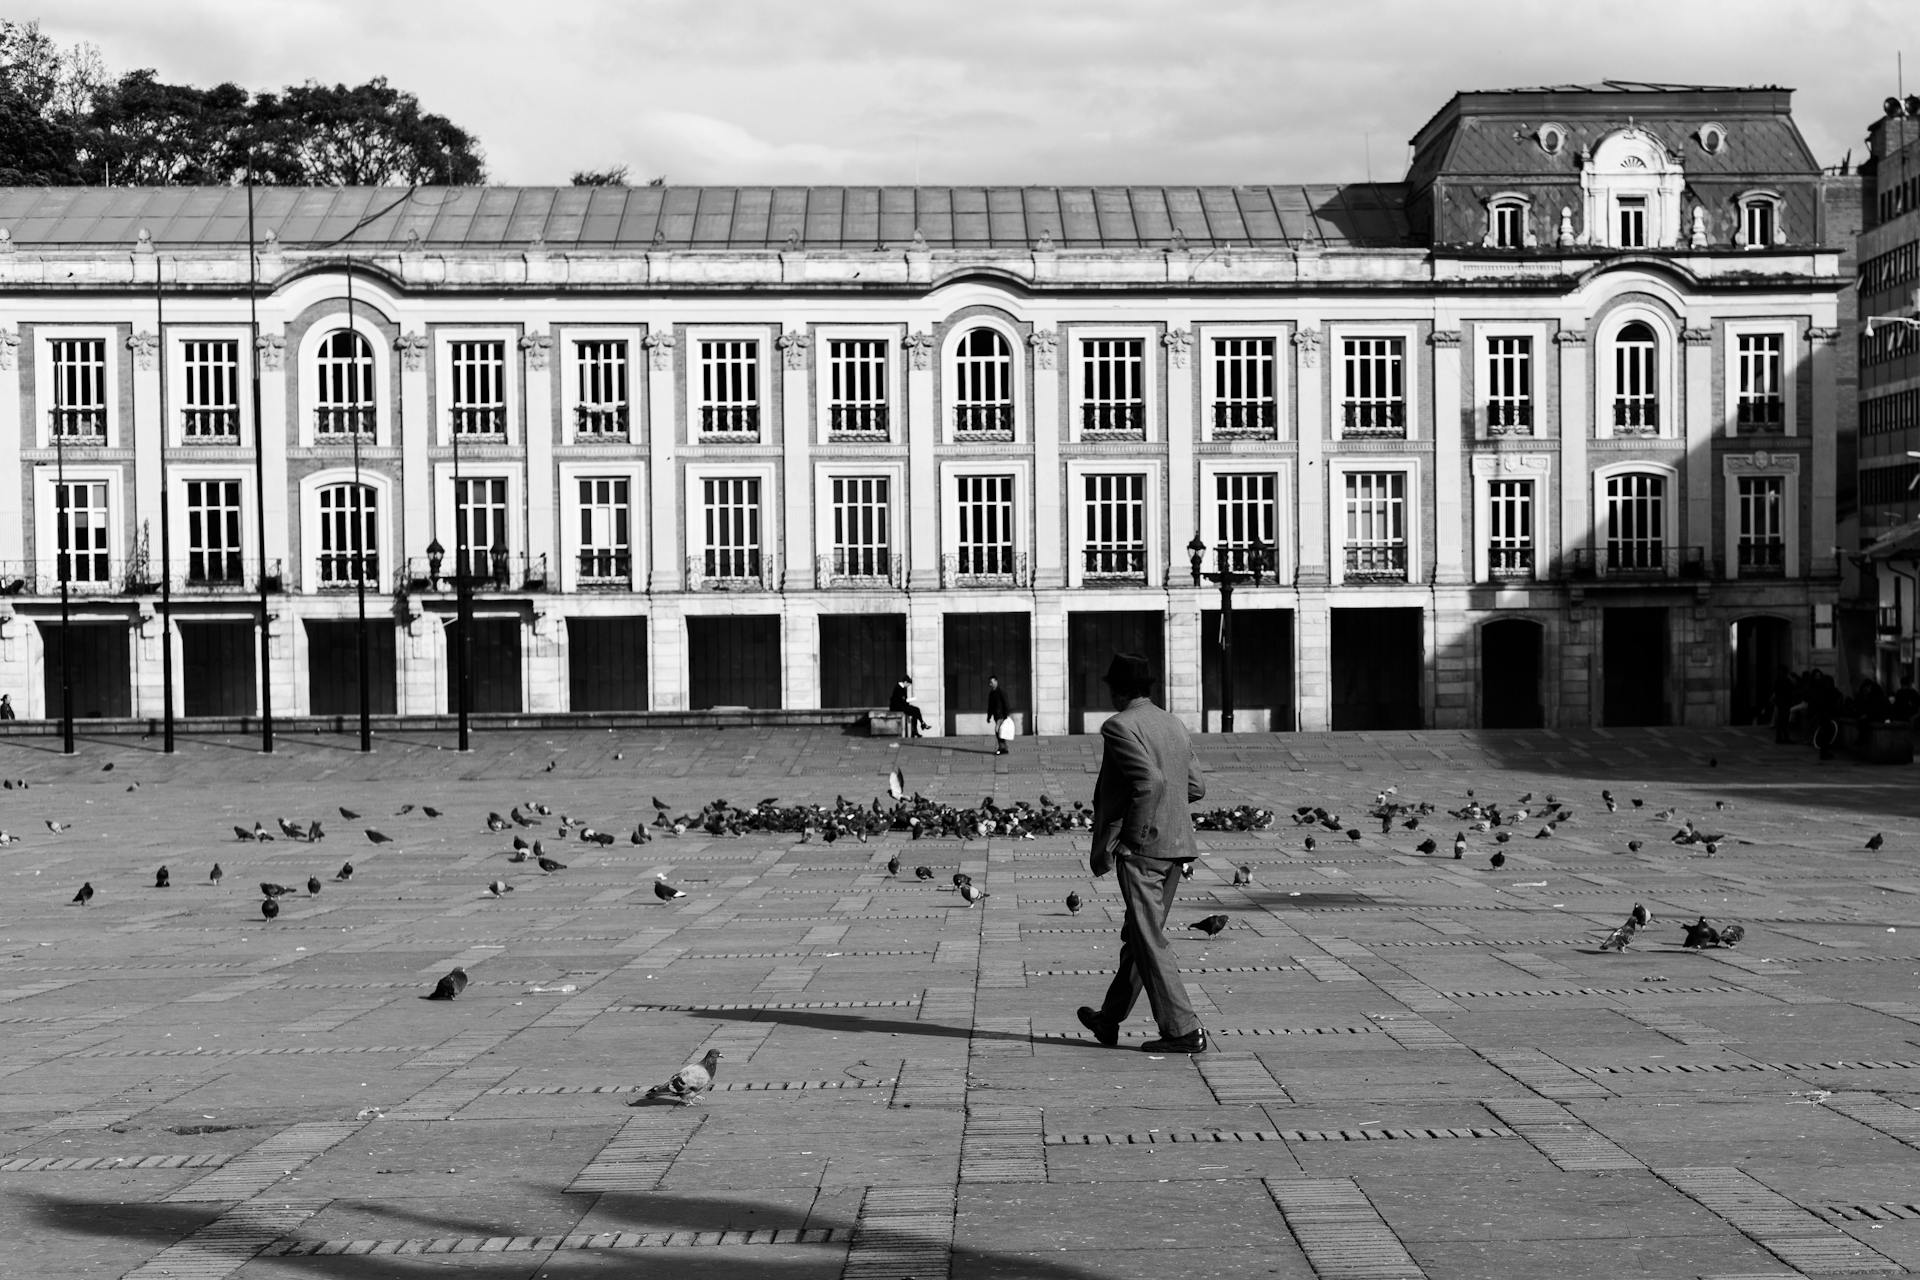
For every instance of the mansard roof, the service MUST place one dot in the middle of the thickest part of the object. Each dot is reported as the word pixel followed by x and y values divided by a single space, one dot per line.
pixel 479 219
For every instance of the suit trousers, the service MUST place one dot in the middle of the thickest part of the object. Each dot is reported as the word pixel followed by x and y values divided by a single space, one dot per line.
pixel 1147 886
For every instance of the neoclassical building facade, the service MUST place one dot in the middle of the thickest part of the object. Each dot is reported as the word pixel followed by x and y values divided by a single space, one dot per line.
pixel 1544 434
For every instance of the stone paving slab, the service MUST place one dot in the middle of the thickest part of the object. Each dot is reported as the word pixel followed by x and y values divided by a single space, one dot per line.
pixel 1422 1067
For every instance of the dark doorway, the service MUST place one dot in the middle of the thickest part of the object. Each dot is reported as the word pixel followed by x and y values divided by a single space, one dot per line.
pixel 733 661
pixel 216 668
pixel 1510 652
pixel 1377 658
pixel 1760 647
pixel 1262 668
pixel 607 664
pixel 978 645
pixel 862 657
pixel 1633 667
pixel 333 666
pixel 1092 640
pixel 102 678
pixel 495 678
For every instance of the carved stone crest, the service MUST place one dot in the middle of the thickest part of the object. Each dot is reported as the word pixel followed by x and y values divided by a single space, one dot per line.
pixel 1569 337
pixel 1821 337
pixel 1307 342
pixel 413 350
pixel 919 349
pixel 795 345
pixel 1696 336
pixel 1043 342
pixel 537 346
pixel 659 345
pixel 1177 342
pixel 142 345
pixel 272 348
pixel 1444 337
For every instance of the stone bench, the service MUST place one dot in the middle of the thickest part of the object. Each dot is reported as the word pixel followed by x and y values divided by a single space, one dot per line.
pixel 882 723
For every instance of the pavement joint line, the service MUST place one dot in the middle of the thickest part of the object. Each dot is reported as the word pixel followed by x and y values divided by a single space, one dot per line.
pixel 549 1244
pixel 109 1164
pixel 253 1171
pixel 1884 1115
pixel 1369 1133
pixel 721 1086
pixel 1869 1212
pixel 1692 1068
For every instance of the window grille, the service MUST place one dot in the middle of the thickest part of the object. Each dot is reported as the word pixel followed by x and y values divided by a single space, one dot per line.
pixel 1244 517
pixel 79 368
pixel 983 384
pixel 81 530
pixel 1510 528
pixel 1376 542
pixel 857 386
pixel 1375 381
pixel 862 524
pixel 343 386
pixel 986 526
pixel 1116 525
pixel 600 385
pixel 480 523
pixel 606 542
pixel 733 527
pixel 1243 387
pixel 349 535
pixel 210 374
pixel 1636 522
pixel 213 531
pixel 479 376
pixel 1636 387
pixel 1113 386
pixel 1510 386
pixel 1761 403
pixel 730 387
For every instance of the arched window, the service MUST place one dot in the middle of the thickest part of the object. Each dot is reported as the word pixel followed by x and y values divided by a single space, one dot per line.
pixel 1507 224
pixel 983 386
pixel 1636 522
pixel 349 536
pixel 343 386
pixel 1636 384
pixel 1759 221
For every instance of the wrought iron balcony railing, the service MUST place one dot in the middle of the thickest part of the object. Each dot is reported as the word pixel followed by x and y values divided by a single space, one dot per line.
pixel 600 420
pixel 487 571
pixel 343 570
pixel 344 421
pixel 1129 563
pixel 1639 561
pixel 1510 417
pixel 732 421
pixel 861 567
pixel 1635 416
pixel 861 420
pixel 1374 420
pixel 602 569
pixel 994 421
pixel 1383 563
pixel 96 574
pixel 1507 560
pixel 1761 558
pixel 1244 419
pixel 210 426
pixel 985 566
pixel 1761 413
pixel 732 569
pixel 1124 420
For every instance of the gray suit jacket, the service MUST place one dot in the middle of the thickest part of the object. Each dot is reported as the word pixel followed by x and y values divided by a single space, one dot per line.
pixel 1137 800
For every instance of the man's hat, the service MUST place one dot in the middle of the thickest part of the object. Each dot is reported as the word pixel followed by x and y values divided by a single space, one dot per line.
pixel 1129 669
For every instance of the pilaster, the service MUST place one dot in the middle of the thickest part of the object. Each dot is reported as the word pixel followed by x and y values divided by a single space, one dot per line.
pixel 921 501
pixel 1314 663
pixel 147 434
pixel 800 655
pixel 1821 534
pixel 1450 503
pixel 1182 515
pixel 1576 427
pixel 1182 679
pixel 1697 341
pixel 1049 535
pixel 13 515
pixel 1311 419
pixel 536 380
pixel 796 567
pixel 416 432
pixel 271 434
pixel 665 492
pixel 1049 710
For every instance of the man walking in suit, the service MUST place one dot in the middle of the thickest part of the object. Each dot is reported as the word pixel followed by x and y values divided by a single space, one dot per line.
pixel 1142 831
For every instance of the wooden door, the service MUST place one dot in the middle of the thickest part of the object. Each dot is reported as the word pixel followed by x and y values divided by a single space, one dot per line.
pixel 607 664
pixel 862 657
pixel 733 661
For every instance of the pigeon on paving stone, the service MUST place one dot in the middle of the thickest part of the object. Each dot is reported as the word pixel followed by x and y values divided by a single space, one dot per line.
pixel 1732 934
pixel 269 907
pixel 961 878
pixel 1498 859
pixel 430 811
pixel 1877 841
pixel 1635 846
pixel 1310 843
pixel 664 891
pixel 450 986
pixel 1243 874
pixel 160 878
pixel 1637 919
pixel 1210 925
pixel 403 811
pixel 1073 904
pixel 1459 845
pixel 496 823
pixel 85 895
pixel 1427 846
pixel 378 837
pixel 58 827
pixel 217 874
pixel 685 1085
pixel 896 783
pixel 499 887
pixel 1353 833
pixel 272 890
pixel 348 814
pixel 550 864
pixel 315 833
pixel 517 816
pixel 313 886
pixel 1700 934
pixel 893 865
pixel 1186 869
pixel 639 835
pixel 345 872
pixel 1501 837
pixel 972 893
pixel 291 830
pixel 923 873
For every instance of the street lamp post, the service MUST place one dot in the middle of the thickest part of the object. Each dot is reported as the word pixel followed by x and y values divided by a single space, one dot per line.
pixel 1227 578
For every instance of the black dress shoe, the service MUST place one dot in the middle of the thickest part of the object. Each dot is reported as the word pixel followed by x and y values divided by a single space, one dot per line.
pixel 1195 1043
pixel 1105 1032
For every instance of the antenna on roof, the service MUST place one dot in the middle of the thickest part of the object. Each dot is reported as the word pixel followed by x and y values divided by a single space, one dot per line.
pixel 1367 144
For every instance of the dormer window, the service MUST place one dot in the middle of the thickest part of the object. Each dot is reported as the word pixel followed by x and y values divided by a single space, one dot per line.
pixel 1759 221
pixel 1712 138
pixel 1631 186
pixel 1552 138
pixel 1508 224
pixel 1631 224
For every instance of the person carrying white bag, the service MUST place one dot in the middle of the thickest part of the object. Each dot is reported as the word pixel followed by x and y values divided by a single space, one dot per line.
pixel 1000 716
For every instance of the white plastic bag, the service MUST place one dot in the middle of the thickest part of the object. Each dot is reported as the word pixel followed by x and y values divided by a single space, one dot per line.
pixel 1008 730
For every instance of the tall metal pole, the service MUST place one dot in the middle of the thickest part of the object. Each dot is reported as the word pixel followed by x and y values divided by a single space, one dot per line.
pixel 1226 577
pixel 166 529
pixel 359 543
pixel 259 478
pixel 463 596
pixel 63 561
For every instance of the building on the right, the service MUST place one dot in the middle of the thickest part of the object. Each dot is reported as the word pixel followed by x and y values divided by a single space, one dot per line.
pixel 1888 485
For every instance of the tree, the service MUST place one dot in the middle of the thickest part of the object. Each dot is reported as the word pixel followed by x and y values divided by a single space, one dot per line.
pixel 43 92
pixel 614 177
pixel 34 151
pixel 367 135
pixel 142 132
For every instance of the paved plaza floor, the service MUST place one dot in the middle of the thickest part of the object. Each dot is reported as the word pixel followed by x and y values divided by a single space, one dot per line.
pixel 1420 1066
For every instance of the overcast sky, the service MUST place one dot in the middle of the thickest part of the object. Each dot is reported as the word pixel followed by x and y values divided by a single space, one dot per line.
pixel 994 91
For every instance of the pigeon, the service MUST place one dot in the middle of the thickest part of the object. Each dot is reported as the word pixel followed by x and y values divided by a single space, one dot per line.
pixel 345 872
pixel 430 811
pixel 639 835
pixel 1186 869
pixel 450 986
pixel 1606 798
pixel 961 878
pixel 403 811
pixel 349 814
pixel 551 765
pixel 272 890
pixel 1498 860
pixel 660 804
pixel 313 886
pixel 1502 837
pixel 496 823
pixel 896 783
pixel 1874 844
pixel 1243 874
pixel 107 767
pixel 1637 919
pixel 923 873
pixel 1073 903
pixel 1210 925
pixel 85 895
pixel 1635 846
pixel 1459 845
pixel 217 874
pixel 58 827
pixel 1353 833
pixel 291 830
pixel 378 837
pixel 1427 846
pixel 269 907
pixel 1310 843
pixel 664 891
pixel 517 816
pixel 315 833
pixel 687 1084
pixel 1700 934
pixel 499 887
pixel 550 864
pixel 1732 934
pixel 972 893
pixel 160 878
pixel 893 865
pixel 241 833
pixel 1638 803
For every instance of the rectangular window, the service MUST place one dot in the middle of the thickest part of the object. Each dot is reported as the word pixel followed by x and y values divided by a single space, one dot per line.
pixel 1510 386
pixel 343 386
pixel 1375 382
pixel 730 388
pixel 210 374
pixel 1113 385
pixel 213 532
pixel 1510 529
pixel 862 527
pixel 1244 519
pixel 986 527
pixel 349 536
pixel 600 383
pixel 1632 214
pixel 606 540
pixel 1636 523
pixel 1243 388
pixel 1116 526
pixel 1761 404
pixel 1756 219
pixel 80 531
pixel 480 527
pixel 1762 549
pixel 1509 225
pixel 479 379
pixel 857 387
pixel 79 388
pixel 733 527
pixel 1376 542
pixel 983 386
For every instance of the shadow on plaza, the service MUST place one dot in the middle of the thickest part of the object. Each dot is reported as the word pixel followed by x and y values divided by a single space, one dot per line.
pixel 157 1226
pixel 823 1020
